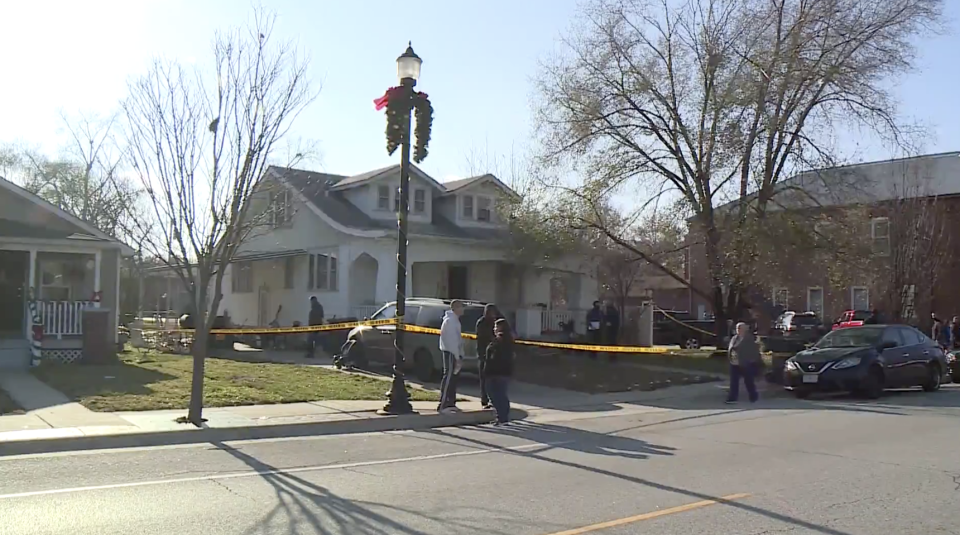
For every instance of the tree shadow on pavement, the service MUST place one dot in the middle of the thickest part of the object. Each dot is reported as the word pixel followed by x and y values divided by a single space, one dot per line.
pixel 306 507
pixel 604 444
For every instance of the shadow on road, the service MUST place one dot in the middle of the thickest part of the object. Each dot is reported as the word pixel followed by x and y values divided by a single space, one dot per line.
pixel 605 444
pixel 311 508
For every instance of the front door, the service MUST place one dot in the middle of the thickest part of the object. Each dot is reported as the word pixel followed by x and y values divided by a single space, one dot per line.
pixel 13 278
pixel 897 359
pixel 457 282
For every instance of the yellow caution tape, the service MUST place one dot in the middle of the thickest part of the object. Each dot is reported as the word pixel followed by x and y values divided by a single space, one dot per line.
pixel 553 345
pixel 691 327
pixel 284 330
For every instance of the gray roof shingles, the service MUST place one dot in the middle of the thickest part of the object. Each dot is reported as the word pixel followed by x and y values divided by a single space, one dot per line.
pixel 316 187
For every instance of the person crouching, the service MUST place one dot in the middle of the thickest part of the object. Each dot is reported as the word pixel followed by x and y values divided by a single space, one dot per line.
pixel 498 370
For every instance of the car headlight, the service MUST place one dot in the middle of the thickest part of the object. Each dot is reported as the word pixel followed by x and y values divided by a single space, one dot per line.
pixel 848 362
pixel 791 365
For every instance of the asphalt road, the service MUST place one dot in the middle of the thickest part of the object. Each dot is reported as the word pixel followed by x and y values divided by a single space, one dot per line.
pixel 821 467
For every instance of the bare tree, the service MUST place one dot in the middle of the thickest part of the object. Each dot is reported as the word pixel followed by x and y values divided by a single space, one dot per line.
pixel 200 143
pixel 700 100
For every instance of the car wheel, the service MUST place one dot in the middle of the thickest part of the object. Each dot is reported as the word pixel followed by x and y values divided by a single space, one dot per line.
pixel 692 343
pixel 872 387
pixel 423 366
pixel 932 384
pixel 357 356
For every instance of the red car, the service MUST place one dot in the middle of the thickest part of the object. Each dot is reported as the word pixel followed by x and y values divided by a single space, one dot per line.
pixel 851 318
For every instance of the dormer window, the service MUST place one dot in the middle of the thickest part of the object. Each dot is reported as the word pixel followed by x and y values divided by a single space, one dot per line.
pixel 280 212
pixel 483 209
pixel 467 207
pixel 383 198
pixel 419 201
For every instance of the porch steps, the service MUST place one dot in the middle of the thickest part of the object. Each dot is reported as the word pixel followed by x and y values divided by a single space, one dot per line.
pixel 14 354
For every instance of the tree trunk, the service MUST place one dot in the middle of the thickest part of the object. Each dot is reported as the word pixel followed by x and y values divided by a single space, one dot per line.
pixel 201 339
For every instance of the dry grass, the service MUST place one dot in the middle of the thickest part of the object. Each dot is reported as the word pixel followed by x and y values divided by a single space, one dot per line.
pixel 152 381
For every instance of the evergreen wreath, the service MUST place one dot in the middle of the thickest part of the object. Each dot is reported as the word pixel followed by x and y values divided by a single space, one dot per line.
pixel 392 100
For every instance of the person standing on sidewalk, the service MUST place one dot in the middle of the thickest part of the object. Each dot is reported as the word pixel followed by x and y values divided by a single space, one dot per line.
pixel 594 327
pixel 745 359
pixel 451 348
pixel 315 318
pixel 484 337
pixel 499 370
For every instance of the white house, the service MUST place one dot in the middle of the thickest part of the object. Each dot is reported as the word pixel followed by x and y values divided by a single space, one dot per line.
pixel 336 237
pixel 59 265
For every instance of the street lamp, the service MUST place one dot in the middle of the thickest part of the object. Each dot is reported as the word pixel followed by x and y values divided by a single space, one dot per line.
pixel 408 71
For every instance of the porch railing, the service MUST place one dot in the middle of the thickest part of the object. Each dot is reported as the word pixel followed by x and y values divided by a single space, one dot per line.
pixel 63 318
pixel 551 319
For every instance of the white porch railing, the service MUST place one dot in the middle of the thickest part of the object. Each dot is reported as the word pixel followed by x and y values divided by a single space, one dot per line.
pixel 364 311
pixel 63 318
pixel 551 319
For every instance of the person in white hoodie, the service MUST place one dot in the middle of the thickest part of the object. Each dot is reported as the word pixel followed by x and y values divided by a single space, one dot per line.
pixel 451 348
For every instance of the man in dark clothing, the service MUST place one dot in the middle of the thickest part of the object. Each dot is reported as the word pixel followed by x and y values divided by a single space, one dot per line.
pixel 484 337
pixel 315 318
pixel 611 323
pixel 499 359
pixel 595 326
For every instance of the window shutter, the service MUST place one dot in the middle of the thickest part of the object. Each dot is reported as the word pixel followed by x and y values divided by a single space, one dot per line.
pixel 312 272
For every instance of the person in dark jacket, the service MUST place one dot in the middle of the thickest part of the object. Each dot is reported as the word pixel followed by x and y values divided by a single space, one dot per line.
pixel 745 360
pixel 595 326
pixel 484 336
pixel 611 327
pixel 315 318
pixel 499 369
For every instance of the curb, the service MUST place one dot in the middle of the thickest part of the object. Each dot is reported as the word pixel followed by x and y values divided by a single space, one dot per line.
pixel 226 434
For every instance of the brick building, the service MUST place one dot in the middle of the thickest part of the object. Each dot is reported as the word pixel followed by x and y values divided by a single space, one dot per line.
pixel 877 191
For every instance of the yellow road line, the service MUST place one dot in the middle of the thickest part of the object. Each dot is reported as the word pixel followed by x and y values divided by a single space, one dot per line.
pixel 649 516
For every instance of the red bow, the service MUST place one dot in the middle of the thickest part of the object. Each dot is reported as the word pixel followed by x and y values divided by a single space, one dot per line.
pixel 382 102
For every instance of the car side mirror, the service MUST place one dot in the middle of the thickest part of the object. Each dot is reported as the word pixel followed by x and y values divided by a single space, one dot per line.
pixel 889 344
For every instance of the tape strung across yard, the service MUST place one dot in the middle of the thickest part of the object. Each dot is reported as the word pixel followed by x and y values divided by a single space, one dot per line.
pixel 413 329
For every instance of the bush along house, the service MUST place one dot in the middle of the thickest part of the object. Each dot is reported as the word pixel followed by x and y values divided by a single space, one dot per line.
pixel 59 283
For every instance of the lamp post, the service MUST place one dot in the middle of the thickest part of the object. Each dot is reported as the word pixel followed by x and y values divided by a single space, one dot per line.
pixel 408 70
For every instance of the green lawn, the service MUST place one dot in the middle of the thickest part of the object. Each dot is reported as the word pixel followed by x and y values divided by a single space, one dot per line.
pixel 149 381
pixel 8 405
pixel 704 361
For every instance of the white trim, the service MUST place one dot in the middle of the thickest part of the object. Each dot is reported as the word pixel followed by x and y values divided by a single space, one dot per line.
pixel 414 172
pixel 773 296
pixel 487 178
pixel 62 214
pixel 853 304
pixel 9 246
pixel 327 219
pixel 873 233
pixel 822 299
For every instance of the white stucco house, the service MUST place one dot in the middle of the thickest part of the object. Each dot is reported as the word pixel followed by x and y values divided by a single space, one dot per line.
pixel 335 237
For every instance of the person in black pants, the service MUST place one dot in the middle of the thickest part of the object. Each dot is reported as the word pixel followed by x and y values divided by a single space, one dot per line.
pixel 611 324
pixel 595 327
pixel 484 337
pixel 316 318
pixel 499 369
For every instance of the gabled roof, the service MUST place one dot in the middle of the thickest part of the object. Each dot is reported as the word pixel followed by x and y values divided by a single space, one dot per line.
pixel 91 233
pixel 370 176
pixel 454 186
pixel 320 191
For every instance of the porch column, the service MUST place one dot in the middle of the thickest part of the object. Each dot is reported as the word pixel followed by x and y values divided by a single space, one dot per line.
pixel 32 293
pixel 97 260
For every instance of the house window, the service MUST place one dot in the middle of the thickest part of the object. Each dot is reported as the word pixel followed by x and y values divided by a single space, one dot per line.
pixel 419 201
pixel 781 298
pixel 289 267
pixel 241 278
pixel 907 298
pixel 281 212
pixel 880 235
pixel 325 272
pixel 467 207
pixel 383 197
pixel 483 209
pixel 859 298
pixel 815 301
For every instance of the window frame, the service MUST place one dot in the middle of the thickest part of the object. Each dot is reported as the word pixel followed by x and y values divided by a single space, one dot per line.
pixel 289 272
pixel 773 296
pixel 463 207
pixel 877 222
pixel 329 263
pixel 241 278
pixel 819 313
pixel 383 203
pixel 853 300
pixel 420 205
pixel 480 200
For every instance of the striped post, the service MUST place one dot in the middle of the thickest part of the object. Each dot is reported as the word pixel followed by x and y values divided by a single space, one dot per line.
pixel 36 331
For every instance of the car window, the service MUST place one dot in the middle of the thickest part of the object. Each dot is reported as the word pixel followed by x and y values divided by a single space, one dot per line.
pixel 861 315
pixel 431 316
pixel 385 313
pixel 851 337
pixel 411 314
pixel 805 320
pixel 912 336
pixel 924 339
pixel 893 335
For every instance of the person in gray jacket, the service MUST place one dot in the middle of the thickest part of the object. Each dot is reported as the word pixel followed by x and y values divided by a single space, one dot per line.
pixel 745 360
